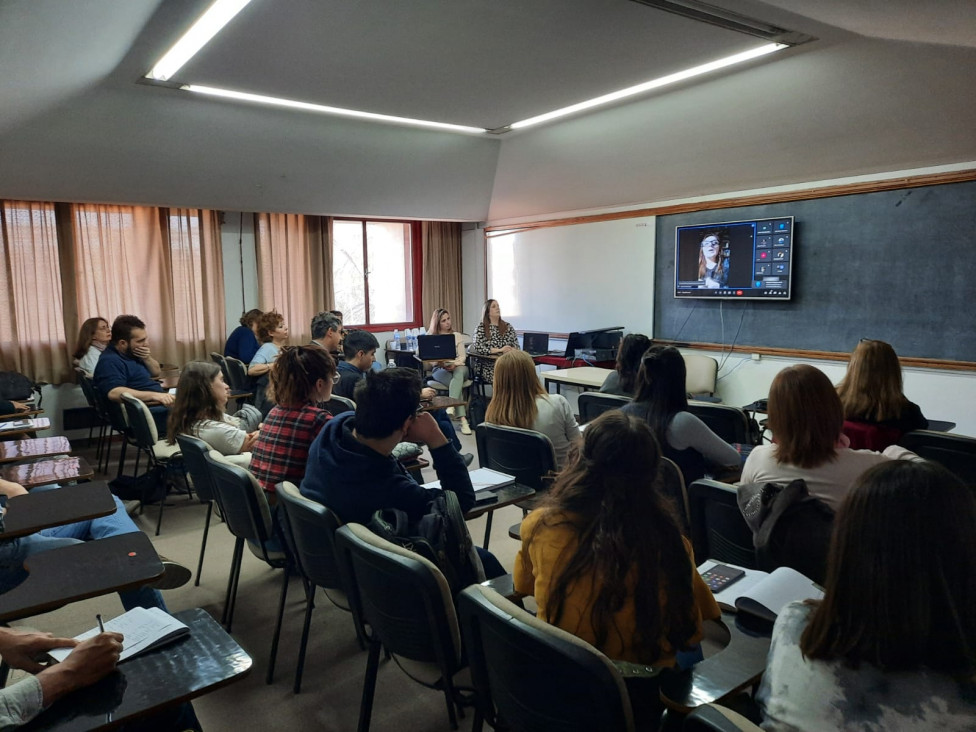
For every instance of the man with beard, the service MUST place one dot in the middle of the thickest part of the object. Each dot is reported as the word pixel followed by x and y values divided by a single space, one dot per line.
pixel 126 366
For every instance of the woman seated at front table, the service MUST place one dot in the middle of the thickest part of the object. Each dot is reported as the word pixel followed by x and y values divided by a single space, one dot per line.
pixel 806 419
pixel 892 645
pixel 273 334
pixel 518 400
pixel 201 398
pixel 871 390
pixel 661 400
pixel 604 556
pixel 451 373
pixel 622 381
pixel 492 337
pixel 301 378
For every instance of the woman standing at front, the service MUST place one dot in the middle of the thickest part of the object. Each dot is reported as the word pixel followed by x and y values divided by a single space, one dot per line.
pixel 493 337
pixel 451 373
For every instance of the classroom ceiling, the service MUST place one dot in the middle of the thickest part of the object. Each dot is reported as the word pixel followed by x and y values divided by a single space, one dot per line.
pixel 887 85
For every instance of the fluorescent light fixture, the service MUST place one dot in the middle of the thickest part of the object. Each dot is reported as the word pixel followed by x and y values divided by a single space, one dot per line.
pixel 653 84
pixel 323 109
pixel 209 24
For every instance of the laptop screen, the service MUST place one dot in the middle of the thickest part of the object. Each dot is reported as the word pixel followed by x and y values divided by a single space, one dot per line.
pixel 535 342
pixel 436 347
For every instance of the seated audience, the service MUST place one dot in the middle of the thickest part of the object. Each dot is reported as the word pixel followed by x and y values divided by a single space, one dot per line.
pixel 892 645
pixel 93 337
pixel 351 468
pixel 622 381
pixel 871 391
pixel 14 552
pixel 327 332
pixel 518 400
pixel 201 397
pixel 451 374
pixel 273 334
pixel 359 348
pixel 301 378
pixel 662 401
pixel 243 343
pixel 806 417
pixel 604 556
pixel 126 366
pixel 493 336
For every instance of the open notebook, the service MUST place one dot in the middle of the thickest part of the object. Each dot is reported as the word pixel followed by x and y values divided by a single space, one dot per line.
pixel 143 629
pixel 764 594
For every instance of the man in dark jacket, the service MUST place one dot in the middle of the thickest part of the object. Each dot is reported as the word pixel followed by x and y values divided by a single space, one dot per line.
pixel 351 468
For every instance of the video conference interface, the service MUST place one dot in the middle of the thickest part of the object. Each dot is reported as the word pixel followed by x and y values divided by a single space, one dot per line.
pixel 735 260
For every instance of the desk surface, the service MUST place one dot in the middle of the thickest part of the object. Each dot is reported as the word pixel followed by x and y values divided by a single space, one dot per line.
pixel 45 472
pixel 10 431
pixel 739 665
pixel 44 509
pixel 204 661
pixel 30 413
pixel 442 402
pixel 590 376
pixel 60 576
pixel 33 448
pixel 506 495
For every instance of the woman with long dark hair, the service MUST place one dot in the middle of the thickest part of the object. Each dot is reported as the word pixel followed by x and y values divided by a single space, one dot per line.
pixel 493 337
pixel 604 556
pixel 713 268
pixel 623 379
pixel 892 645
pixel 198 410
pixel 661 400
pixel 94 335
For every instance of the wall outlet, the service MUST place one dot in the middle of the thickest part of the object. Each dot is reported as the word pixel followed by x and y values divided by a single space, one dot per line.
pixel 757 357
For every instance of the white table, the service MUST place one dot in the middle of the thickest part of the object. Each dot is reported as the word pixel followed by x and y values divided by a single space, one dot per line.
pixel 585 377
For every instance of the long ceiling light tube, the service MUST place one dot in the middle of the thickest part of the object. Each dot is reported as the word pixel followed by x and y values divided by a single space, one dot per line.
pixel 653 84
pixel 207 26
pixel 323 109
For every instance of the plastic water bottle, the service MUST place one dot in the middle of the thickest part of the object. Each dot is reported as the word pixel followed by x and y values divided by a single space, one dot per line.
pixel 411 346
pixel 391 364
pixel 396 339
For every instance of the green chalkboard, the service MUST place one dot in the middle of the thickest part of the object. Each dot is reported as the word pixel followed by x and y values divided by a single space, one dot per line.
pixel 897 265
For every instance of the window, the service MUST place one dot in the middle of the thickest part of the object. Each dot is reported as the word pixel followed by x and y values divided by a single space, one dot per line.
pixel 376 272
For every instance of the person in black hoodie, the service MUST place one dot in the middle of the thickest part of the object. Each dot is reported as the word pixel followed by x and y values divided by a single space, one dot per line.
pixel 351 468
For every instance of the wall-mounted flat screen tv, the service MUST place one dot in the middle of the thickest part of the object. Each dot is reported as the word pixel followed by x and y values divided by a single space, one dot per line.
pixel 735 260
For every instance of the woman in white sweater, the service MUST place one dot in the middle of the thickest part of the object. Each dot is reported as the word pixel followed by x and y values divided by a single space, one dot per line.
pixel 518 400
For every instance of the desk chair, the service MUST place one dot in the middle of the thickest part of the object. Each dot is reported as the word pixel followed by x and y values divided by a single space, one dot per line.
pixel 160 455
pixel 101 414
pixel 218 358
pixel 594 403
pixel 526 454
pixel 198 474
pixel 338 404
pixel 718 529
pixel 672 484
pixel 730 423
pixel 954 452
pixel 701 374
pixel 716 718
pixel 248 517
pixel 406 603
pixel 512 656
pixel 309 530
pixel 239 380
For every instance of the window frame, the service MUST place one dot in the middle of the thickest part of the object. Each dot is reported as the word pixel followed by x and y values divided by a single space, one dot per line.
pixel 416 270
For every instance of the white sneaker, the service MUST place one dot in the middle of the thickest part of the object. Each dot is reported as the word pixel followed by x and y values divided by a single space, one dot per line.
pixel 465 427
pixel 450 411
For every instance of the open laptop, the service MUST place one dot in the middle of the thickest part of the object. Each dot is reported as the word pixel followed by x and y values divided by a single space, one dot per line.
pixel 535 344
pixel 436 347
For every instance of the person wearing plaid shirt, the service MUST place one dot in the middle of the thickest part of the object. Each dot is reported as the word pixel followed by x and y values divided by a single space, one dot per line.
pixel 301 378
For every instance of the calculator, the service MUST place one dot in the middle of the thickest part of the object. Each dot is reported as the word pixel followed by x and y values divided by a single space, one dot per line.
pixel 721 576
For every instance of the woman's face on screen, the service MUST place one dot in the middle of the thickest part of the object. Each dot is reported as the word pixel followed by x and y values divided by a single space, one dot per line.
pixel 709 247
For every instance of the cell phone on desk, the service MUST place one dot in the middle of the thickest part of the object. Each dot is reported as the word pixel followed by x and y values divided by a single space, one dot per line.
pixel 720 576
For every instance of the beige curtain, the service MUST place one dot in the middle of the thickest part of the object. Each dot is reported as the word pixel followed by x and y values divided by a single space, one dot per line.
pixel 163 266
pixel 294 257
pixel 442 269
pixel 32 335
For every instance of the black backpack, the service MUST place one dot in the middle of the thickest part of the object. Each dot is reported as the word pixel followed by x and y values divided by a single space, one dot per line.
pixel 477 406
pixel 15 387
pixel 441 536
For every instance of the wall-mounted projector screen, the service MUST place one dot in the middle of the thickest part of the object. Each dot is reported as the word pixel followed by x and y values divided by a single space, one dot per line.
pixel 561 279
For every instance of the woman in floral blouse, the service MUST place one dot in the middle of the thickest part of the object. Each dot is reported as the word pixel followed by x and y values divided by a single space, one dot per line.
pixel 493 337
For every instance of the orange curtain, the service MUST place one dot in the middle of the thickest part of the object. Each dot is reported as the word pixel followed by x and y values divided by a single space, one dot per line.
pixel 442 269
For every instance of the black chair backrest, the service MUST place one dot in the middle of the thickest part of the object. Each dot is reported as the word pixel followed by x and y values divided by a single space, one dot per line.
pixel 729 423
pixel 242 503
pixel 237 373
pixel 594 403
pixel 141 425
pixel 194 452
pixel 718 529
pixel 310 532
pixel 536 676
pixel 218 359
pixel 403 598
pixel 525 454
pixel 954 452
